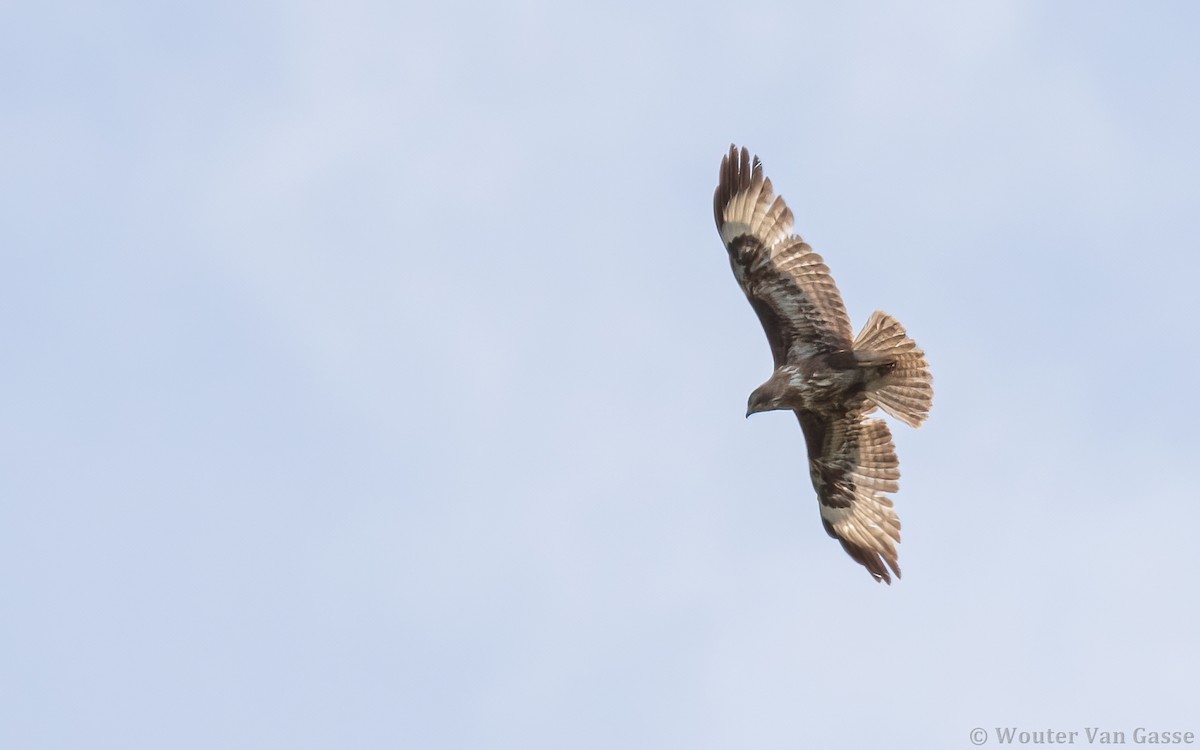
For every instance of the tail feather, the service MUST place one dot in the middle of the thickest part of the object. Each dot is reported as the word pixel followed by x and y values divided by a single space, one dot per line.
pixel 906 391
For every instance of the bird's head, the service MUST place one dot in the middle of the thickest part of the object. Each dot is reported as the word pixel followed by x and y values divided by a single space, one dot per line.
pixel 766 397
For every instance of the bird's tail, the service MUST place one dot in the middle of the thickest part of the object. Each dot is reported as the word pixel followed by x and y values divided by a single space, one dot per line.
pixel 906 389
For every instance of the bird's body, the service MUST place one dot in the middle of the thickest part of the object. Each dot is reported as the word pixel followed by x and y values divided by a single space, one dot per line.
pixel 821 383
pixel 829 379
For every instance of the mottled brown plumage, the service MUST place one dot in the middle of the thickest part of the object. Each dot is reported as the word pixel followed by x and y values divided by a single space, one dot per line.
pixel 829 378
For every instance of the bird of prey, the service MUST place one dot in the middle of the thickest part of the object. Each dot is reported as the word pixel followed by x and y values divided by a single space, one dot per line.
pixel 830 378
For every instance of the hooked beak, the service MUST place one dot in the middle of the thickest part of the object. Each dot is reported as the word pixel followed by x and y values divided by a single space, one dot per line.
pixel 749 411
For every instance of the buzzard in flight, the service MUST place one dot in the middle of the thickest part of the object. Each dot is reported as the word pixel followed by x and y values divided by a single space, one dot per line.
pixel 831 379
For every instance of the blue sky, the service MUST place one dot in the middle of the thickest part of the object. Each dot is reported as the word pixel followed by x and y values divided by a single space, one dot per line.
pixel 374 375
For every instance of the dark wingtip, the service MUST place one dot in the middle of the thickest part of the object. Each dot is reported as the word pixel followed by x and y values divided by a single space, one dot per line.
pixel 875 564
pixel 737 173
pixel 729 181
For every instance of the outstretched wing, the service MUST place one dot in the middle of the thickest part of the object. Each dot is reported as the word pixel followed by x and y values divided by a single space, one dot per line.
pixel 788 284
pixel 852 461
